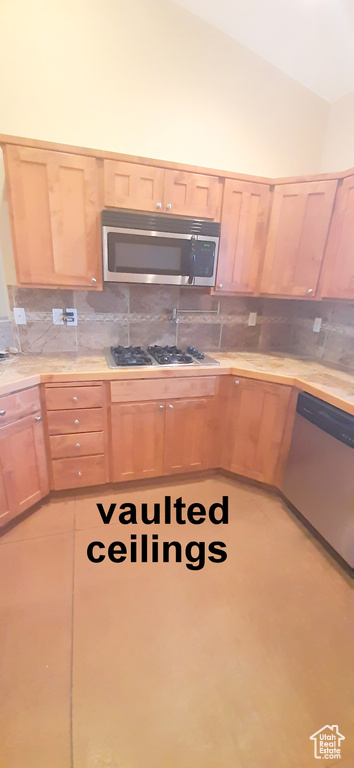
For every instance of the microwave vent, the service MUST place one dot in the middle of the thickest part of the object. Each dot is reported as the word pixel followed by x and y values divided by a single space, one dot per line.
pixel 159 222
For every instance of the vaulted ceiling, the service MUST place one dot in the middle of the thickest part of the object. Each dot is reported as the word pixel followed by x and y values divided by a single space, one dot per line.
pixel 310 40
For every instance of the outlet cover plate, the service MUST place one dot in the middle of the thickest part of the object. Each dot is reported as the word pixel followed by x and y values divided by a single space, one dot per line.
pixel 317 324
pixel 58 317
pixel 20 316
pixel 252 318
pixel 74 318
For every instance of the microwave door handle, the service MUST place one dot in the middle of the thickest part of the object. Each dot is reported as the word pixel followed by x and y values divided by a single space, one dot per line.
pixel 187 260
pixel 191 278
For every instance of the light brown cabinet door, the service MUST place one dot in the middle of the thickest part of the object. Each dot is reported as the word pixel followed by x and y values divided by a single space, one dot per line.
pixel 254 428
pixel 188 434
pixel 55 217
pixel 244 218
pixel 5 512
pixel 338 266
pixel 137 440
pixel 23 464
pixel 298 228
pixel 192 194
pixel 137 187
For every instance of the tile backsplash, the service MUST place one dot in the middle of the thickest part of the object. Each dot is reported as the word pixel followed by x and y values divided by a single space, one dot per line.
pixel 142 314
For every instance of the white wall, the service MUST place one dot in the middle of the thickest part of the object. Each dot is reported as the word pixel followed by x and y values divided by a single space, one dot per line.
pixel 338 150
pixel 148 78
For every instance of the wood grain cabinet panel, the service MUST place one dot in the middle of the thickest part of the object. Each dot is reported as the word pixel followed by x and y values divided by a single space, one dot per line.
pixel 133 186
pixel 79 472
pixel 254 428
pixel 74 421
pixel 244 220
pixel 5 511
pixel 137 440
pixel 162 389
pixel 298 228
pixel 19 404
pixel 81 444
pixel 147 188
pixel 192 194
pixel 338 267
pixel 53 200
pixel 188 435
pixel 23 475
pixel 62 398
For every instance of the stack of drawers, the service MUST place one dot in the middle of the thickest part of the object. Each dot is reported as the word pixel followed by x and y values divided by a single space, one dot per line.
pixel 76 417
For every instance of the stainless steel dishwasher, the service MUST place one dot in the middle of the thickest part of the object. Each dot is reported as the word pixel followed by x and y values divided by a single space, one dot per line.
pixel 319 472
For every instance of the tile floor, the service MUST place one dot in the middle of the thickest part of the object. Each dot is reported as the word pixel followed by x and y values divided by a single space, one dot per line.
pixel 131 665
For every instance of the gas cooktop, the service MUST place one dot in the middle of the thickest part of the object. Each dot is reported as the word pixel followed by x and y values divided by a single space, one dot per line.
pixel 156 355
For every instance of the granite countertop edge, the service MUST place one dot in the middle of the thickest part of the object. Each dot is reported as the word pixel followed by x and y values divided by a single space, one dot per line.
pixel 334 386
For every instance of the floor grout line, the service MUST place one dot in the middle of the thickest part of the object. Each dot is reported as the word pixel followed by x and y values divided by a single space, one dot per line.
pixel 34 538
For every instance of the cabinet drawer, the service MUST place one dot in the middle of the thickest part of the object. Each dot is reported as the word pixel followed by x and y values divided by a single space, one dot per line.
pixel 19 404
pixel 162 389
pixel 62 398
pixel 78 472
pixel 84 444
pixel 68 422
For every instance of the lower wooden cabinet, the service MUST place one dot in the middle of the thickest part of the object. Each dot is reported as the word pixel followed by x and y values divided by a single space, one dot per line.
pixel 245 420
pixel 137 440
pixel 23 466
pixel 155 438
pixel 188 435
pixel 254 428
pixel 78 439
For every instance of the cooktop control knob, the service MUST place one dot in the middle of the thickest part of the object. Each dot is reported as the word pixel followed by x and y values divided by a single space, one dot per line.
pixel 195 353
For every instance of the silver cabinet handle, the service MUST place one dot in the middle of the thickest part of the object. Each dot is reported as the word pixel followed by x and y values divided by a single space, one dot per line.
pixel 236 382
pixel 161 407
pixel 38 418
pixel 170 406
pixel 220 285
pixel 93 280
pixel 79 474
pixel 309 290
pixel 75 399
pixel 159 206
pixel 76 421
pixel 77 445
pixel 2 413
pixel 168 206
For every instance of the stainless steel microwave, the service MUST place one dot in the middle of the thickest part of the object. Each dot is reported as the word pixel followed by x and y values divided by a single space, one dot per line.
pixel 153 248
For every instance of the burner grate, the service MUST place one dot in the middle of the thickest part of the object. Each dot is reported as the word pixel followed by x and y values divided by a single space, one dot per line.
pixel 169 355
pixel 130 356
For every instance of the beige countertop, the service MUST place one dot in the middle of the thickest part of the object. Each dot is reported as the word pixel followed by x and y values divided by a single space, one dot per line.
pixel 333 386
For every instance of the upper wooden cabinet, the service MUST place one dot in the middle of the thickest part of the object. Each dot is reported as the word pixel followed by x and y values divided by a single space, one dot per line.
pixel 192 194
pixel 53 202
pixel 243 236
pixel 338 267
pixel 137 187
pixel 298 228
pixel 145 188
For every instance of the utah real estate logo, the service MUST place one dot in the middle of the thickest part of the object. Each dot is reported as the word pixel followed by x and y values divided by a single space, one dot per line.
pixel 327 743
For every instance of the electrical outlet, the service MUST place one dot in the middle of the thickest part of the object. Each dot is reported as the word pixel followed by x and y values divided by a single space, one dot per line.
pixel 317 324
pixel 58 317
pixel 20 316
pixel 252 318
pixel 71 320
